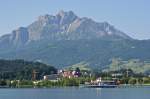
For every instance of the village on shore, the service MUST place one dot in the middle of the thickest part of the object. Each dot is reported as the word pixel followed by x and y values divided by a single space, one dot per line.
pixel 78 77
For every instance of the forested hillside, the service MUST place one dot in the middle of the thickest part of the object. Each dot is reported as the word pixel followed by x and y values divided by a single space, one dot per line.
pixel 20 69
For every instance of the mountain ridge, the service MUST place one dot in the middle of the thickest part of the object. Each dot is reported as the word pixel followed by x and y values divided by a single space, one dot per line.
pixel 63 26
pixel 65 39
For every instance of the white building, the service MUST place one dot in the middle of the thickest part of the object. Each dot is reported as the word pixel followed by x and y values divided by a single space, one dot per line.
pixel 53 77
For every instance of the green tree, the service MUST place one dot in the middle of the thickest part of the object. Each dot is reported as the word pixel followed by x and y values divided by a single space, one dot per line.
pixel 132 81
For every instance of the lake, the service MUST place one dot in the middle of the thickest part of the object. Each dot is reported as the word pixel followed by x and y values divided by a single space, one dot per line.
pixel 76 93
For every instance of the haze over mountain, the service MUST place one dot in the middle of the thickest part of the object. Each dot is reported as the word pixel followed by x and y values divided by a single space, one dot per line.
pixel 65 39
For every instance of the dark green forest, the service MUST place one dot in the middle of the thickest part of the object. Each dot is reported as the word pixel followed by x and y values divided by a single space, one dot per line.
pixel 23 70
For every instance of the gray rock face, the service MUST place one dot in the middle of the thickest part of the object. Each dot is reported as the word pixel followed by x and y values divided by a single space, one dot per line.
pixel 68 26
pixel 63 26
pixel 19 36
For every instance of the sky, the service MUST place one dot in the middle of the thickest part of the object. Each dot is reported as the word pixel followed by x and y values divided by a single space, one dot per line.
pixel 129 16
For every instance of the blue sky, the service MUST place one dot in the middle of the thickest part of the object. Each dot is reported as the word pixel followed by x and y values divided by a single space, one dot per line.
pixel 130 16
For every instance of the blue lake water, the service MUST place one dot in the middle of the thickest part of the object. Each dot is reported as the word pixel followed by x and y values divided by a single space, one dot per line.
pixel 76 93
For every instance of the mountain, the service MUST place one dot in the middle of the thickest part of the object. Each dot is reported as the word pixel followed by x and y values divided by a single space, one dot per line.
pixel 65 39
pixel 62 26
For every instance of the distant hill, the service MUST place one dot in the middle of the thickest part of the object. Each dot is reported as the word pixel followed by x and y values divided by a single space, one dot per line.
pixel 20 69
pixel 138 66
pixel 65 39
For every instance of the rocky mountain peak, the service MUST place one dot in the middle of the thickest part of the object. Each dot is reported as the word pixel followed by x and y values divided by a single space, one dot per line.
pixel 64 26
pixel 66 17
pixel 63 13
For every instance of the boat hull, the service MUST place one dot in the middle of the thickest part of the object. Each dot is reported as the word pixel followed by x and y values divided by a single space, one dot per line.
pixel 101 86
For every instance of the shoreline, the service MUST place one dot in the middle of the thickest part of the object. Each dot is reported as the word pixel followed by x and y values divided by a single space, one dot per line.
pixel 80 86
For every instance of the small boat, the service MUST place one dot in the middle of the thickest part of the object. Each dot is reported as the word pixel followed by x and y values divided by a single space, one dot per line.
pixel 102 84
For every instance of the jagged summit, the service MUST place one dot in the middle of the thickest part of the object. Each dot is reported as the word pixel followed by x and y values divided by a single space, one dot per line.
pixel 64 26
pixel 63 13
pixel 60 16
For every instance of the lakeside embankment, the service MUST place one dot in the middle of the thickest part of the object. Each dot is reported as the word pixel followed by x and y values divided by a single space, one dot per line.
pixel 69 82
